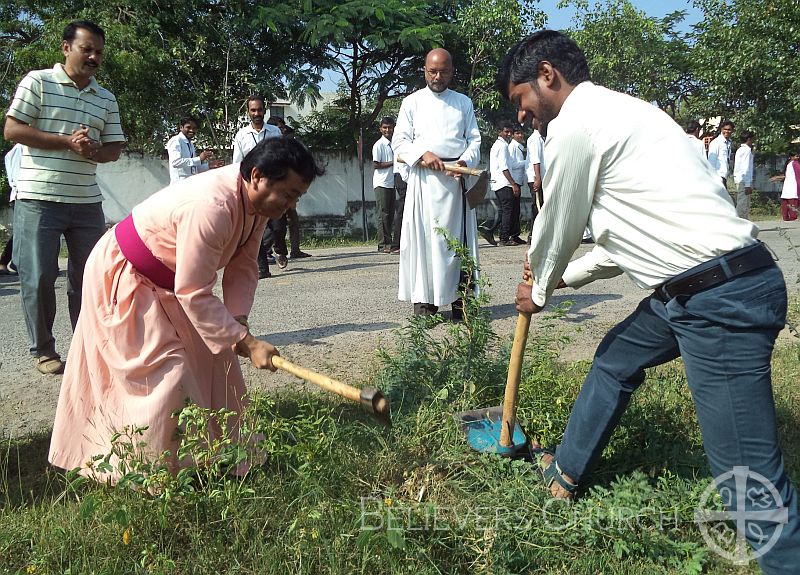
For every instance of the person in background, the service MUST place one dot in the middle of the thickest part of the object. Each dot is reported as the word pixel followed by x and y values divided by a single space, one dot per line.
pixel 184 161
pixel 400 175
pixel 68 124
pixel 383 183
pixel 693 133
pixel 535 170
pixel 290 221
pixel 12 161
pixel 790 192
pixel 505 188
pixel 244 141
pixel 435 125
pixel 743 174
pixel 719 151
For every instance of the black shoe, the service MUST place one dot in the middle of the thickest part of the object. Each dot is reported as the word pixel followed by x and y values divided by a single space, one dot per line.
pixel 587 241
pixel 457 311
pixel 518 241
pixel 425 309
pixel 489 237
pixel 263 274
pixel 283 261
pixel 299 255
pixel 506 243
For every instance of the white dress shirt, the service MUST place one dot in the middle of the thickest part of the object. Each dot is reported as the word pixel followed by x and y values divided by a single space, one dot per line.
pixel 606 155
pixel 743 166
pixel 183 161
pixel 535 156
pixel 248 137
pixel 719 154
pixel 499 160
pixel 12 161
pixel 382 152
pixel 516 153
pixel 790 188
pixel 698 144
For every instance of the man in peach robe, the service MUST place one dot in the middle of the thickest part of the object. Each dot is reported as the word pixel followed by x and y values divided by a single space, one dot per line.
pixel 153 335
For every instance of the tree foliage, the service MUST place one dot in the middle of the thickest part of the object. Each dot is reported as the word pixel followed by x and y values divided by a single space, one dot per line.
pixel 746 60
pixel 634 53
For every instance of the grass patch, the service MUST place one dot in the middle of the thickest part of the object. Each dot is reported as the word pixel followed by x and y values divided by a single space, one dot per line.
pixel 339 494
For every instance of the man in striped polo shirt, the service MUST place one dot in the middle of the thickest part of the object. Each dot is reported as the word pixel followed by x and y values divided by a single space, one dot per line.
pixel 67 124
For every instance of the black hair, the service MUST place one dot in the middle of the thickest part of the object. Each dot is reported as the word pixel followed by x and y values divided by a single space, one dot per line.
pixel 726 123
pixel 746 135
pixel 387 120
pixel 71 29
pixel 274 157
pixel 186 119
pixel 506 126
pixel 276 121
pixel 692 127
pixel 256 97
pixel 521 64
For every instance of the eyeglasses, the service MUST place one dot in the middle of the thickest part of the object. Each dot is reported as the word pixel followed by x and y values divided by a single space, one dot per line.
pixel 435 73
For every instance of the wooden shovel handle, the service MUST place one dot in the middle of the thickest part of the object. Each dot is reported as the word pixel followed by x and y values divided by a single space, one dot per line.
pixel 512 381
pixel 463 170
pixel 323 381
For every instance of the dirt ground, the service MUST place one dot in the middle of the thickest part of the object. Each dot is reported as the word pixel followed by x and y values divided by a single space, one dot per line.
pixel 331 312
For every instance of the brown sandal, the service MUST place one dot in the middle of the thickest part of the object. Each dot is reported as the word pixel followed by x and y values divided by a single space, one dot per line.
pixel 49 365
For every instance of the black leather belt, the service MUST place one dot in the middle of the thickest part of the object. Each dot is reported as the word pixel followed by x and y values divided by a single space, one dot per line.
pixel 716 271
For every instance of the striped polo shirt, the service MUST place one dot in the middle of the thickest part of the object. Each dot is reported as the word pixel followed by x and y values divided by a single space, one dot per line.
pixel 51 102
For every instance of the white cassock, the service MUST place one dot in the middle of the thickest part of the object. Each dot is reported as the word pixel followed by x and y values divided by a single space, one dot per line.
pixel 442 123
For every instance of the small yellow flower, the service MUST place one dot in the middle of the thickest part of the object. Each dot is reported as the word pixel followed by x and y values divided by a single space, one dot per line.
pixel 387 502
pixel 126 537
pixel 30 569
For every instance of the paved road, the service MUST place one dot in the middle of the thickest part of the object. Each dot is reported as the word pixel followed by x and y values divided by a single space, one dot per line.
pixel 331 312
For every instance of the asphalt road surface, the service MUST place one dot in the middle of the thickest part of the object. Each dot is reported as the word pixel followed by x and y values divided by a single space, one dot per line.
pixel 331 312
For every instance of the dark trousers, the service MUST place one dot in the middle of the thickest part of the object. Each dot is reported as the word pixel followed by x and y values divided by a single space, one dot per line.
pixel 399 206
pixel 274 238
pixel 509 213
pixel 725 336
pixel 534 208
pixel 5 259
pixel 384 200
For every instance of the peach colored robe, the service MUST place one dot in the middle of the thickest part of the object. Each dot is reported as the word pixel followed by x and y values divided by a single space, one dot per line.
pixel 140 351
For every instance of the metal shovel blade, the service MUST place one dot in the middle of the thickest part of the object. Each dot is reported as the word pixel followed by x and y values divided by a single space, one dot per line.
pixel 483 427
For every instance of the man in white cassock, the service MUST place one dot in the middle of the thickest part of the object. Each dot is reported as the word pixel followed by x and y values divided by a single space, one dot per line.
pixel 435 125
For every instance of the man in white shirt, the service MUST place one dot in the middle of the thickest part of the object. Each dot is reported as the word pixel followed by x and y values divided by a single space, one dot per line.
pixel 534 170
pixel 719 151
pixel 435 125
pixel 693 133
pixel 518 164
pixel 244 141
pixel 184 161
pixel 383 183
pixel 12 162
pixel 254 132
pixel 743 174
pixel 719 299
pixel 505 188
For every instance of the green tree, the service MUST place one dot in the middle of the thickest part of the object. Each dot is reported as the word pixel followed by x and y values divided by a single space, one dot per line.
pixel 167 59
pixel 375 45
pixel 488 28
pixel 631 52
pixel 746 59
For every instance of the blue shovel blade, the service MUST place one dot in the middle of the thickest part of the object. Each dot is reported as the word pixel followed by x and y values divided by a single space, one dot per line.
pixel 483 428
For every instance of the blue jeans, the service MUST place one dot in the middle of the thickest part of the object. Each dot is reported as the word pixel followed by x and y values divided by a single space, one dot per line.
pixel 725 336
pixel 38 229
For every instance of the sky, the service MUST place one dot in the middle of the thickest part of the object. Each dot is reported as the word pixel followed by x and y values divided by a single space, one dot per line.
pixel 559 19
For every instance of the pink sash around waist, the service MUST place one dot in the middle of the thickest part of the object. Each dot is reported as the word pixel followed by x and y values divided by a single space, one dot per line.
pixel 134 250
